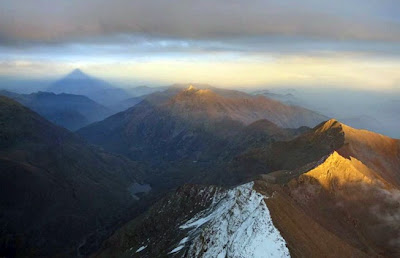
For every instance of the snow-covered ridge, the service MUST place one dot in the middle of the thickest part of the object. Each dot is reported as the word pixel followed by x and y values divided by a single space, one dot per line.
pixel 237 224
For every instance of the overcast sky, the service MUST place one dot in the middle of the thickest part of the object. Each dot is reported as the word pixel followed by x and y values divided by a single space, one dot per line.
pixel 342 43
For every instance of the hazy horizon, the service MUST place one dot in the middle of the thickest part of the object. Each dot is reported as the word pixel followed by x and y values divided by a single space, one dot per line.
pixel 342 58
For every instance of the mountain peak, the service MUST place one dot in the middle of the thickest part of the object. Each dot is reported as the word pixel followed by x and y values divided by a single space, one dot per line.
pixel 77 74
pixel 331 123
pixel 193 92
pixel 79 83
pixel 191 88
pixel 340 169
pixel 328 125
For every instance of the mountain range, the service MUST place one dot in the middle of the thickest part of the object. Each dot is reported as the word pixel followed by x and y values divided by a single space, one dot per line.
pixel 106 94
pixel 70 101
pixel 362 109
pixel 191 129
pixel 193 171
pixel 66 110
pixel 177 119
pixel 338 203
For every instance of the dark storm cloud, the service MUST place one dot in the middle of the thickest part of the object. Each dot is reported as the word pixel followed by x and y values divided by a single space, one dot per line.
pixel 59 21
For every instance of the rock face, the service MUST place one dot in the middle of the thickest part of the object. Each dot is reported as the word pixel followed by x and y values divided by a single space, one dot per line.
pixel 55 189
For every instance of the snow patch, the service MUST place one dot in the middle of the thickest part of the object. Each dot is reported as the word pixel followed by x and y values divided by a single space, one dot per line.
pixel 184 240
pixel 177 249
pixel 141 248
pixel 180 245
pixel 237 224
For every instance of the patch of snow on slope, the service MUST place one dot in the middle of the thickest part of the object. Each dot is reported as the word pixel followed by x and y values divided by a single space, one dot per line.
pixel 175 250
pixel 141 249
pixel 238 224
pixel 180 246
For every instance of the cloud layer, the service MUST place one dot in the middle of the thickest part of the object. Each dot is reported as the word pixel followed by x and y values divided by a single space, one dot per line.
pixel 58 20
pixel 342 42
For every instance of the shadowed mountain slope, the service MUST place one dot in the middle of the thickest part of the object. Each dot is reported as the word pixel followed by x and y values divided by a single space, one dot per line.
pixel 66 110
pixel 188 122
pixel 188 135
pixel 55 189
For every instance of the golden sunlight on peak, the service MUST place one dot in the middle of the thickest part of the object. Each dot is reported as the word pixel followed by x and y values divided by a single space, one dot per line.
pixel 191 88
pixel 195 91
pixel 204 91
pixel 332 123
pixel 337 171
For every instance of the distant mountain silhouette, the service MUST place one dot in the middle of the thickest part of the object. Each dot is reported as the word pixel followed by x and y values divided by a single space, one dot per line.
pixel 287 98
pixel 67 110
pixel 55 189
pixel 79 83
pixel 126 103
pixel 144 90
